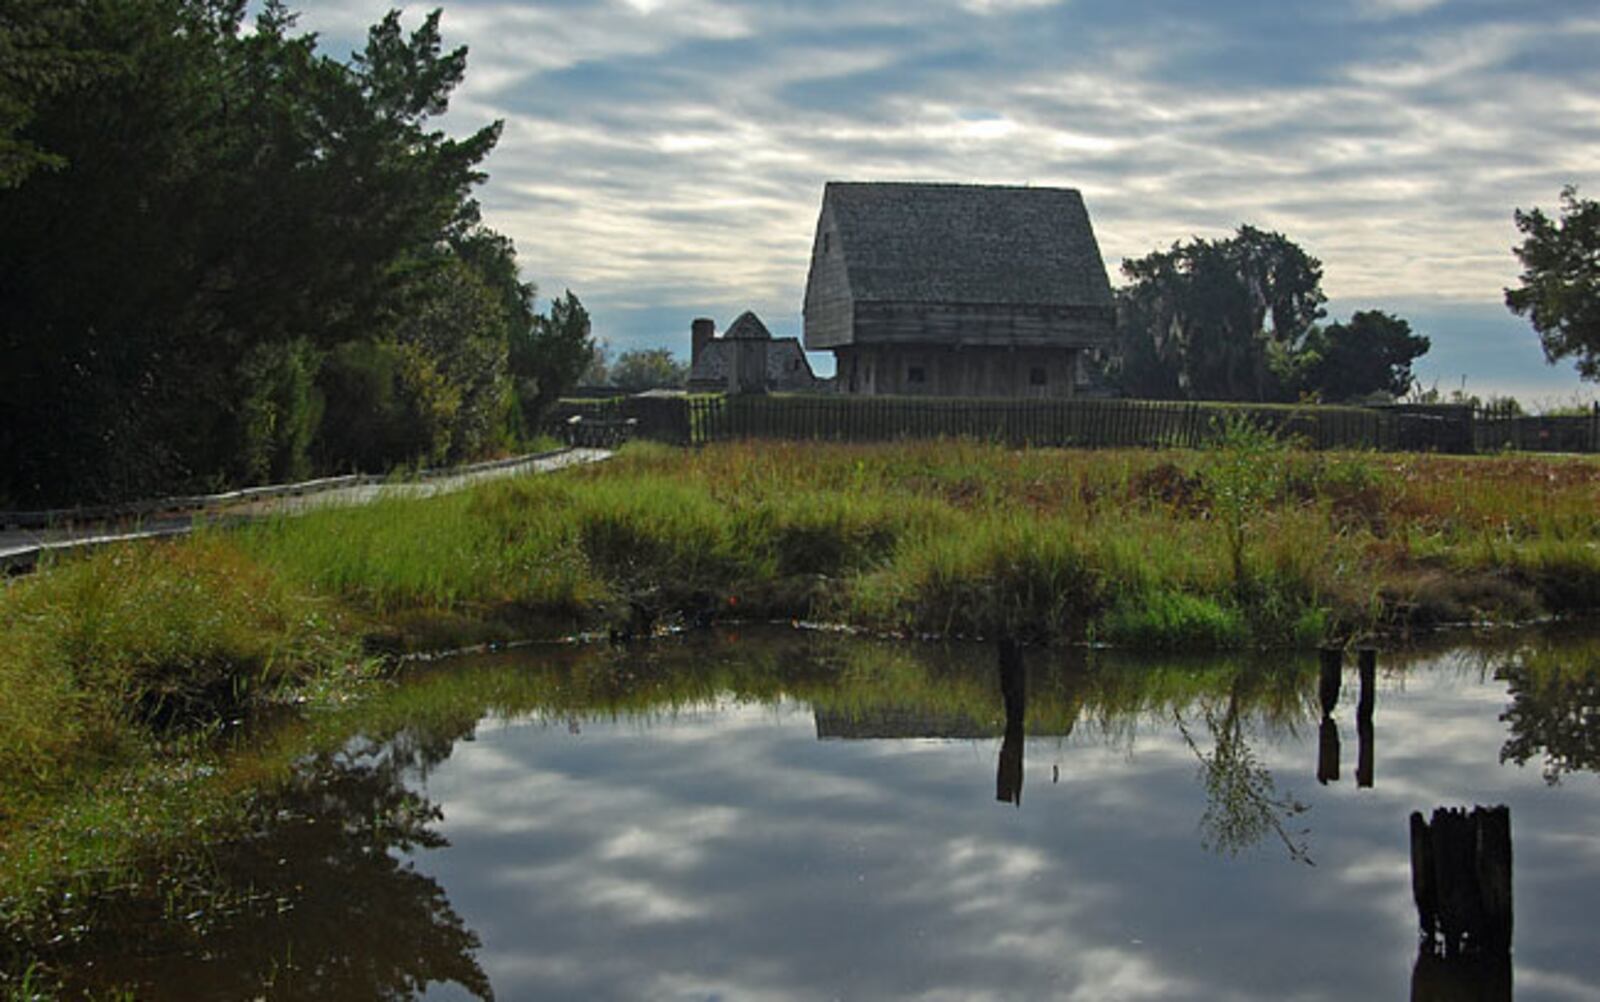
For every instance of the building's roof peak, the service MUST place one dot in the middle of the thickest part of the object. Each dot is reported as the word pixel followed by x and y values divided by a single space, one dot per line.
pixel 912 242
pixel 747 326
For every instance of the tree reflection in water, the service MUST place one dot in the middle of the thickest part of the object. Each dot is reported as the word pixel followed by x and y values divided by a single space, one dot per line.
pixel 1554 712
pixel 1243 804
pixel 316 904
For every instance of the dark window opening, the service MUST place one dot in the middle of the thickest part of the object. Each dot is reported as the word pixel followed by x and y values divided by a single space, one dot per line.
pixel 827 241
pixel 1036 376
pixel 916 374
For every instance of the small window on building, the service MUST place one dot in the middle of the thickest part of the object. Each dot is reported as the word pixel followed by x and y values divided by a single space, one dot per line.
pixel 916 374
pixel 1036 375
pixel 827 242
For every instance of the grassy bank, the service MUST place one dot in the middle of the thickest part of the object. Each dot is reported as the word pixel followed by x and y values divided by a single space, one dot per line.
pixel 1252 545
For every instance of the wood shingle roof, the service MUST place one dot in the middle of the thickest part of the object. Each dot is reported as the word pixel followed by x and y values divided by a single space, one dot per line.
pixel 969 244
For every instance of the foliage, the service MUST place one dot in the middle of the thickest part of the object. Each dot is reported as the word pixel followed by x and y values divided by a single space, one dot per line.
pixel 1370 354
pixel 378 407
pixel 279 412
pixel 38 57
pixel 1560 282
pixel 648 369
pixel 599 371
pixel 550 356
pixel 1236 319
pixel 1218 319
pixel 1242 474
pixel 256 206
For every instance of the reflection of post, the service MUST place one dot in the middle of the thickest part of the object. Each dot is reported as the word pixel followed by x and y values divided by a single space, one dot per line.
pixel 1460 979
pixel 1328 752
pixel 1328 682
pixel 1008 781
pixel 1461 880
pixel 1369 686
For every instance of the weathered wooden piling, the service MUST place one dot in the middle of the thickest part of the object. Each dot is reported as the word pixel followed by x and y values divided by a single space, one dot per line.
pixel 1328 682
pixel 1461 879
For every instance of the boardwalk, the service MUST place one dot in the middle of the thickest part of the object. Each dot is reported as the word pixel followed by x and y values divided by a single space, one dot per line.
pixel 21 547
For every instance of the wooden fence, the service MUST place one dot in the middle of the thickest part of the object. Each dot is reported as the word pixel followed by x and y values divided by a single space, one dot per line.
pixel 695 420
pixel 1501 429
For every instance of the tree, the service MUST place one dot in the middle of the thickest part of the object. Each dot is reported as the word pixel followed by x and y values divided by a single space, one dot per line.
pixel 1218 319
pixel 599 371
pixel 1560 290
pixel 1370 354
pixel 648 369
pixel 549 356
pixel 222 211
pixel 38 57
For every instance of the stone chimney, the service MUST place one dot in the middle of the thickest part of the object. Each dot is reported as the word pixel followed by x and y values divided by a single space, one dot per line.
pixel 701 331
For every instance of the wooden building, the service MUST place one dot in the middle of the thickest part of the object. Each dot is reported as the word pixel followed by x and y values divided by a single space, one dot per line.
pixel 746 359
pixel 956 290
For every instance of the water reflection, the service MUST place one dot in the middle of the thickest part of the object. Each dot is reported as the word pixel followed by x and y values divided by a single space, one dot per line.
pixel 1460 979
pixel 1364 707
pixel 1014 693
pixel 1555 709
pixel 1327 751
pixel 322 903
pixel 799 815
pixel 1243 805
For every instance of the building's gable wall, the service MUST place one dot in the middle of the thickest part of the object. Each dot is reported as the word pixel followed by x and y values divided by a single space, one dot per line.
pixel 829 308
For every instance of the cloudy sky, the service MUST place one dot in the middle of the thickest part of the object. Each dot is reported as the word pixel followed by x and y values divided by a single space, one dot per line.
pixel 665 159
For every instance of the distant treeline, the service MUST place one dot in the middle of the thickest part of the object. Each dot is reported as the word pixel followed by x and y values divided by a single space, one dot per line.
pixel 229 258
pixel 1238 319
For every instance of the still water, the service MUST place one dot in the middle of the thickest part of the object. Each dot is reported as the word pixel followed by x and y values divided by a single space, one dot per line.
pixel 789 815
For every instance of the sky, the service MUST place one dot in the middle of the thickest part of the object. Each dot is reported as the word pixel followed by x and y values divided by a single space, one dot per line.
pixel 664 159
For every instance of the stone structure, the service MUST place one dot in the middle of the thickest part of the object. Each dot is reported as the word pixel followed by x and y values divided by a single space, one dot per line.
pixel 746 359
pixel 956 290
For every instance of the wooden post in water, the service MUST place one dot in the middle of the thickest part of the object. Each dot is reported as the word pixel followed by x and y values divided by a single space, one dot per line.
pixel 1461 880
pixel 1367 661
pixel 1013 691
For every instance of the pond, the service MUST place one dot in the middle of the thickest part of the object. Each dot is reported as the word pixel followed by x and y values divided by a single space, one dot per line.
pixel 783 814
